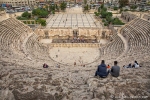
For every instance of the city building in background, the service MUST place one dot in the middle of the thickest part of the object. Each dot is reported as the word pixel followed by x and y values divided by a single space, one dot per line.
pixel 17 3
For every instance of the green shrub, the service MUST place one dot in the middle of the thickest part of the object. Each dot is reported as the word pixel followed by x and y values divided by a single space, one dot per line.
pixel 22 18
pixel 26 15
pixel 96 13
pixel 86 7
pixel 116 21
pixel 40 12
pixel 99 9
pixel 115 8
pixel 133 7
pixel 103 20
pixel 28 22
pixel 126 10
pixel 42 21
pixel 104 9
pixel 63 5
pixel 105 24
pixel 104 14
pixel 53 12
pixel 108 17
pixel 32 22
pixel 24 22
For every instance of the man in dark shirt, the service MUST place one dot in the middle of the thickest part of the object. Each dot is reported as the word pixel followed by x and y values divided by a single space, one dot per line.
pixel 115 70
pixel 102 70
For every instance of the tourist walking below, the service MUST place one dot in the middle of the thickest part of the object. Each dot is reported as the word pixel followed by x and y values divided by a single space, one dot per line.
pixel 74 63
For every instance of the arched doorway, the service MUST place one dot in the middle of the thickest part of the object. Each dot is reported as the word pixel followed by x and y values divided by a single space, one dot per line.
pixel 75 33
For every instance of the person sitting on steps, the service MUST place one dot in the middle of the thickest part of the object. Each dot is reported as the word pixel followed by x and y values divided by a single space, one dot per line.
pixel 108 66
pixel 115 70
pixel 136 65
pixel 102 70
pixel 128 66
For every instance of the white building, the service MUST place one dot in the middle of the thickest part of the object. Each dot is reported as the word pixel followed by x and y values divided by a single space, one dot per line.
pixel 19 2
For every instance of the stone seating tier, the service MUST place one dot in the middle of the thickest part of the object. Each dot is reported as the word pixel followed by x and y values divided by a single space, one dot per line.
pixel 13 33
pixel 137 33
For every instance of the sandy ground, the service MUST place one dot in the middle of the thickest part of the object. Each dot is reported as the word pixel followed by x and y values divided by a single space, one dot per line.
pixel 79 55
pixel 46 41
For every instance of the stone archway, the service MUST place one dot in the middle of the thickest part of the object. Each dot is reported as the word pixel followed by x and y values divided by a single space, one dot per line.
pixel 46 34
pixel 75 33
pixel 128 19
pixel 103 34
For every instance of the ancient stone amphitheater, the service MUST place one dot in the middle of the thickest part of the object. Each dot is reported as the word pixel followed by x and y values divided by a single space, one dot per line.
pixel 23 78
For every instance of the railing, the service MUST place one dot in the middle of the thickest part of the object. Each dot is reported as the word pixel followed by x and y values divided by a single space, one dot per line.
pixel 29 22
pixel 95 45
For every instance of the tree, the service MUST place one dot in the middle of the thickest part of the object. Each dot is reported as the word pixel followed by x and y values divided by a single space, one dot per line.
pixel 26 15
pixel 115 8
pixel 104 9
pixel 40 12
pixel 133 7
pixel 85 2
pixel 42 21
pixel 96 13
pixel 56 6
pixel 102 6
pixel 116 21
pixel 46 7
pixel 63 5
pixel 86 7
pixel 123 3
pixel 109 19
pixel 99 9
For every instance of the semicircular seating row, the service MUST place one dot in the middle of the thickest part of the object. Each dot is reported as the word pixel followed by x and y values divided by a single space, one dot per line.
pixel 18 44
pixel 137 34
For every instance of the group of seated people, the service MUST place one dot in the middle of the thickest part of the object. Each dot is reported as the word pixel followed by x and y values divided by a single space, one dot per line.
pixel 104 70
pixel 135 65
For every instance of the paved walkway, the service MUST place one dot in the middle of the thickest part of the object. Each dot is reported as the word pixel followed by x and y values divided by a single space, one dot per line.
pixel 72 20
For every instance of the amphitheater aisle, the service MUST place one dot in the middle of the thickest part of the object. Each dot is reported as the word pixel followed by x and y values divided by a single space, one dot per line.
pixel 126 46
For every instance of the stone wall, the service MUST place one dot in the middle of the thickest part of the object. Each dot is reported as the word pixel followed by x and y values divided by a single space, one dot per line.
pixel 89 32
pixel 69 32
pixel 147 17
pixel 128 16
pixel 60 32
